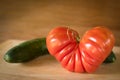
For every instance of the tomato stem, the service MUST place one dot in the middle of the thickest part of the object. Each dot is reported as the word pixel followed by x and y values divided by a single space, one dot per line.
pixel 68 32
pixel 77 39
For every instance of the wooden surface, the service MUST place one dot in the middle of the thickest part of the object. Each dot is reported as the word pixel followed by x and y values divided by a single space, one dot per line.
pixel 28 19
pixel 47 68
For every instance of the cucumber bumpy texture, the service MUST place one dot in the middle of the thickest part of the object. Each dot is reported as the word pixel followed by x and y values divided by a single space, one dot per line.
pixel 26 51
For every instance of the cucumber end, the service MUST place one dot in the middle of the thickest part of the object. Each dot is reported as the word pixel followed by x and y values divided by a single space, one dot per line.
pixel 7 58
pixel 111 58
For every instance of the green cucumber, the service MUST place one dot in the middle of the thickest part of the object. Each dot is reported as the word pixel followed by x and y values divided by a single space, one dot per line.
pixel 32 49
pixel 26 51
pixel 111 58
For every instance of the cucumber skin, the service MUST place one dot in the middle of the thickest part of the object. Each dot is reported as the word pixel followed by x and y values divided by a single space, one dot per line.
pixel 26 51
pixel 32 49
pixel 111 58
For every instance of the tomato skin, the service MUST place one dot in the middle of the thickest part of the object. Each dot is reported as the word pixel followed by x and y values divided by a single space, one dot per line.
pixel 83 56
pixel 59 38
pixel 62 44
pixel 95 45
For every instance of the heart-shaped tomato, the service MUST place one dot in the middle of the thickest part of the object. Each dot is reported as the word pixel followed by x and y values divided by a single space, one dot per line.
pixel 80 56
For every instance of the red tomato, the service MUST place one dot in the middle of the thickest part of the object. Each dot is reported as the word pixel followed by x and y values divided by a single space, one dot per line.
pixel 80 56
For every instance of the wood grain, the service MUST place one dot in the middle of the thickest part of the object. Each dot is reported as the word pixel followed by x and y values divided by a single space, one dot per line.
pixel 47 68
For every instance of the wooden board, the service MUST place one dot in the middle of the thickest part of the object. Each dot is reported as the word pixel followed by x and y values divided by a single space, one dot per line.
pixel 47 68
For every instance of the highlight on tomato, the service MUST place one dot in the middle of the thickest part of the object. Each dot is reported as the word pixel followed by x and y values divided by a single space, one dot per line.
pixel 83 54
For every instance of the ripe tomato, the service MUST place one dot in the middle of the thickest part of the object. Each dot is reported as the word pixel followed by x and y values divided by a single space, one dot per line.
pixel 80 56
